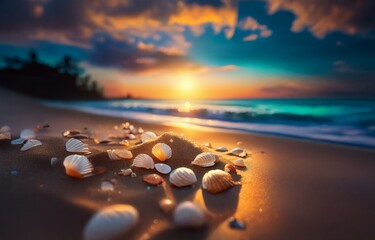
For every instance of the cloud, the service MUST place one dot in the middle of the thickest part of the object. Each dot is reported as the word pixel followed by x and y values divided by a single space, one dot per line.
pixel 258 30
pixel 322 17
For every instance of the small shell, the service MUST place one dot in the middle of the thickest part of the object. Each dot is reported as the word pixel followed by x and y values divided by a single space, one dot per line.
pixel 78 166
pixel 30 144
pixel 221 149
pixel 77 146
pixel 5 136
pixel 187 214
pixel 124 143
pixel 147 136
pixel 239 152
pixel 208 144
pixel 182 177
pixel 162 151
pixel 131 137
pixel 140 130
pixel 143 161
pixel 71 133
pixel 5 128
pixel 18 141
pixel 111 222
pixel 27 134
pixel 54 161
pixel 216 181
pixel 163 168
pixel 125 172
pixel 118 154
pixel 153 179
pixel 239 162
pixel 230 168
pixel 204 159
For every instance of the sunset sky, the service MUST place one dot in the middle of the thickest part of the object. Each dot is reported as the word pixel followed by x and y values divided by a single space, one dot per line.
pixel 203 49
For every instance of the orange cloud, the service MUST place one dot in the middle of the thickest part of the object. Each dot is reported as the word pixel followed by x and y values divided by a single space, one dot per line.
pixel 258 30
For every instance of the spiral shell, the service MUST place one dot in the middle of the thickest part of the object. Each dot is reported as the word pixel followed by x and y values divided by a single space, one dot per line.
pixel 143 161
pixel 147 136
pixel 30 144
pixel 189 215
pixel 163 168
pixel 239 162
pixel 111 222
pixel 119 154
pixel 216 181
pixel 78 166
pixel 182 177
pixel 239 152
pixel 204 159
pixel 76 146
pixel 162 151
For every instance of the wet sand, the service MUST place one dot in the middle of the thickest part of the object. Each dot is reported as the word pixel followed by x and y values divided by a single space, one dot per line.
pixel 297 189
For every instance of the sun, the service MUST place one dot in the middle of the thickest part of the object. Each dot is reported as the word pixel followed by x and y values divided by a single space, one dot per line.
pixel 187 84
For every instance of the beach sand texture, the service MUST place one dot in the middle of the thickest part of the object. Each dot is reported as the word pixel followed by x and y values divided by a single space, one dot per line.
pixel 296 189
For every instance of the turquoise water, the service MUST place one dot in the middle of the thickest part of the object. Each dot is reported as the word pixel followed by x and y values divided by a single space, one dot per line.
pixel 334 120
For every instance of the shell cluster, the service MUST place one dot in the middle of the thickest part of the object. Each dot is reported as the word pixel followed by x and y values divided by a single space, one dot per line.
pixel 216 181
pixel 119 154
pixel 78 166
pixel 162 151
pixel 76 146
pixel 182 177
pixel 204 159
pixel 189 215
pixel 143 161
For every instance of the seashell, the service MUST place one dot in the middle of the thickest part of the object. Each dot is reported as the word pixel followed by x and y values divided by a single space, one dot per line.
pixel 133 174
pixel 208 144
pixel 131 136
pixel 111 222
pixel 107 186
pixel 182 177
pixel 162 151
pixel 188 214
pixel 54 161
pixel 118 154
pixel 30 144
pixel 167 205
pixel 125 172
pixel 153 179
pixel 78 166
pixel 71 133
pixel 125 125
pixel 143 161
pixel 18 141
pixel 221 149
pixel 230 168
pixel 205 159
pixel 124 143
pixel 239 152
pixel 27 134
pixel 4 129
pixel 140 130
pixel 147 136
pixel 216 181
pixel 75 145
pixel 163 168
pixel 239 162
pixel 5 136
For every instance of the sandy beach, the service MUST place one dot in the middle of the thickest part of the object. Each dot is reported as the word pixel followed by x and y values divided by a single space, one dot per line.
pixel 290 189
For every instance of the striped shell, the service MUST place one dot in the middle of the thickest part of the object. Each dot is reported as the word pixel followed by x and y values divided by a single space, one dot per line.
pixel 143 161
pixel 147 136
pixel 204 159
pixel 111 222
pixel 163 168
pixel 188 214
pixel 230 168
pixel 182 177
pixel 162 151
pixel 78 166
pixel 216 181
pixel 119 154
pixel 239 152
pixel 30 144
pixel 239 162
pixel 76 146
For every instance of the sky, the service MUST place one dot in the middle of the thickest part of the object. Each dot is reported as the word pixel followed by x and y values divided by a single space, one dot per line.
pixel 203 49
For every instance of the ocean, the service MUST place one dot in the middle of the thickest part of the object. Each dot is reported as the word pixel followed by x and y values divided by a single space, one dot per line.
pixel 331 120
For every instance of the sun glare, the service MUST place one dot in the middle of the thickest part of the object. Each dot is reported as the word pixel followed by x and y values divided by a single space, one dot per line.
pixel 186 84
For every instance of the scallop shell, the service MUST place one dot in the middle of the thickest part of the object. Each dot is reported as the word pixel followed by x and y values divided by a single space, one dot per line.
pixel 5 136
pixel 182 177
pixel 118 154
pixel 147 136
pixel 111 222
pixel 163 168
pixel 188 214
pixel 5 128
pixel 205 159
pixel 230 168
pixel 216 181
pixel 221 149
pixel 78 166
pixel 143 161
pixel 153 179
pixel 162 151
pixel 77 146
pixel 27 134
pixel 30 144
pixel 239 152
pixel 239 162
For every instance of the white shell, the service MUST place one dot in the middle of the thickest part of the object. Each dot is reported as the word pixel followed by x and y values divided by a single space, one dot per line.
pixel 205 159
pixel 163 168
pixel 5 136
pixel 143 161
pixel 78 166
pixel 188 214
pixel 239 152
pixel 118 154
pixel 111 222
pixel 182 177
pixel 18 141
pixel 30 144
pixel 208 144
pixel 125 143
pixel 221 149
pixel 216 181
pixel 162 151
pixel 27 134
pixel 5 128
pixel 147 136
pixel 77 146
pixel 239 162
